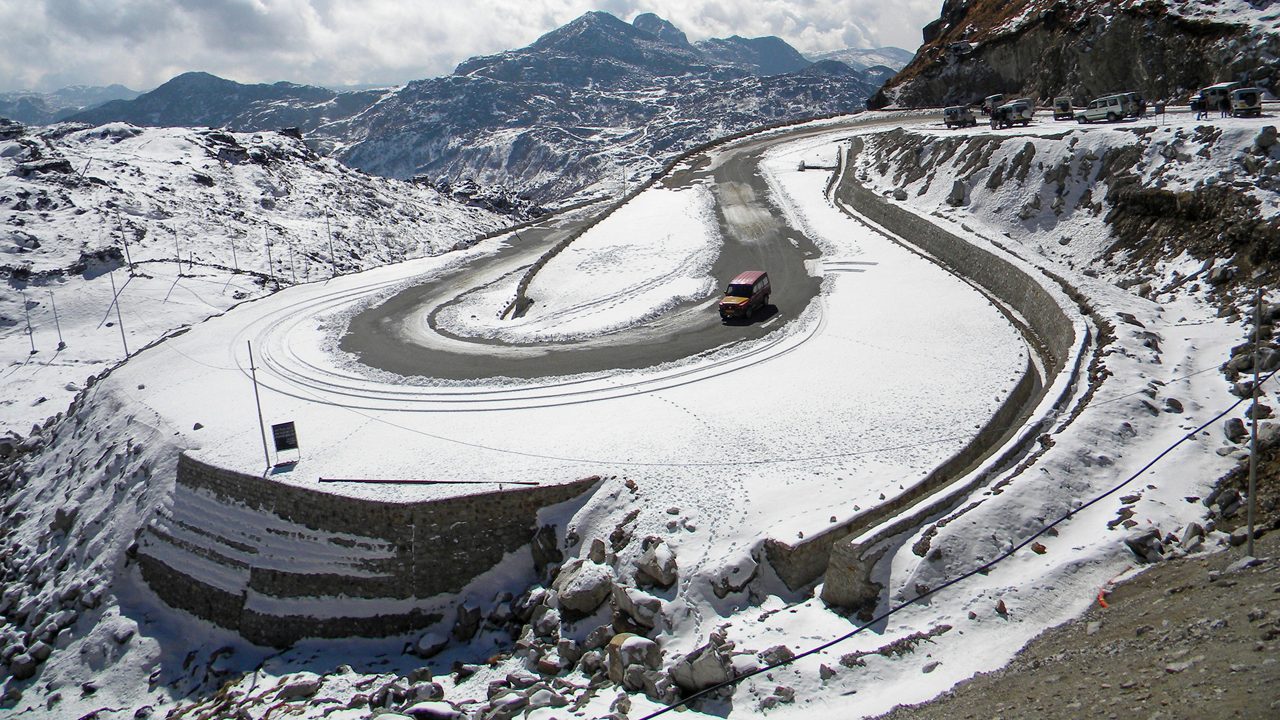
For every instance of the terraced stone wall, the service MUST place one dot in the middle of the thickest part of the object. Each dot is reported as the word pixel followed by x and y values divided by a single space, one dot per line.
pixel 279 563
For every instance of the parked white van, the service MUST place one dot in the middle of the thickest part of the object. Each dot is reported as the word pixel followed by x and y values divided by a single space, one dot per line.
pixel 1018 111
pixel 959 116
pixel 1111 108
pixel 1246 102
pixel 1218 97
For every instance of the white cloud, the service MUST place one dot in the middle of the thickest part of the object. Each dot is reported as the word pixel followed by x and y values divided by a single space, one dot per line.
pixel 45 44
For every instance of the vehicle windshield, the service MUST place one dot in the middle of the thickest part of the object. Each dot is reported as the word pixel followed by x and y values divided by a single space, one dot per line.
pixel 739 291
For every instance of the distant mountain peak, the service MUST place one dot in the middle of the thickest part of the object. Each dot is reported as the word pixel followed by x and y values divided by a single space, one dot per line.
pixel 768 55
pixel 662 29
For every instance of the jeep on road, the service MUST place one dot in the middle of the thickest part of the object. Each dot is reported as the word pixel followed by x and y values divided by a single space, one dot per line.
pixel 959 116
pixel 1111 108
pixel 1062 109
pixel 747 293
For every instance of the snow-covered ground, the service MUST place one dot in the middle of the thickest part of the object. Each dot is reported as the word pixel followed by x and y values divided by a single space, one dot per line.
pixel 187 223
pixel 890 372
pixel 651 255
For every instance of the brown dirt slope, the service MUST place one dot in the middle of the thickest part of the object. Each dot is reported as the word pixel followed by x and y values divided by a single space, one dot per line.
pixel 1197 637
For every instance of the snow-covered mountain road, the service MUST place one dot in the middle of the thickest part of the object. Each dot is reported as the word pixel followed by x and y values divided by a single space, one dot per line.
pixel 831 395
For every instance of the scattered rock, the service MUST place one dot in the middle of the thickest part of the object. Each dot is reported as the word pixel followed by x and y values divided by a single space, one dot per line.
pixel 1146 545
pixel 300 688
pixel 582 586
pixel 638 606
pixel 657 565
pixel 598 552
pixel 705 667
pixel 430 645
pixel 544 548
pixel 1235 430
pixel 433 711
pixel 626 650
pixel 467 624
pixel 23 666
pixel 777 654
pixel 958 195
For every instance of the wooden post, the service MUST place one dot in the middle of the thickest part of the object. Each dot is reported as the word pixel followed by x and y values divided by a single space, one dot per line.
pixel 31 337
pixel 115 299
pixel 56 324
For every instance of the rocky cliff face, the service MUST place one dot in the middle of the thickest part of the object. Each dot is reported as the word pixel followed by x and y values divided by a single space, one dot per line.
pixel 1085 48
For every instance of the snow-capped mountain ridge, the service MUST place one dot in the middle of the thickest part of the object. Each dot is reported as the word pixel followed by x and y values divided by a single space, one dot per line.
pixel 587 106
pixel 38 108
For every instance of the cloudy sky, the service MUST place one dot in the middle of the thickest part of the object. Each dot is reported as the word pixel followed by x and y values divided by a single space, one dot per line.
pixel 48 44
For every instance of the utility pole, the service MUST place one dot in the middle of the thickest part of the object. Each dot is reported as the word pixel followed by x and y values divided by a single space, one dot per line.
pixel 124 239
pixel 333 262
pixel 115 300
pixel 1253 421
pixel 56 324
pixel 292 270
pixel 262 426
pixel 31 338
pixel 271 271
pixel 234 260
pixel 177 254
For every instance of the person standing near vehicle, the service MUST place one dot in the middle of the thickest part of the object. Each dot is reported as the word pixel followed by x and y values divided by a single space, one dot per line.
pixel 1197 104
pixel 1224 107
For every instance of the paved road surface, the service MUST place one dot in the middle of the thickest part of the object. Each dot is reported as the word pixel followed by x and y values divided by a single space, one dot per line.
pixel 756 237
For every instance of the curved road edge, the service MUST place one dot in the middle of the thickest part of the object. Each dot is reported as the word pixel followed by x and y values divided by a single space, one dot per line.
pixel 1060 327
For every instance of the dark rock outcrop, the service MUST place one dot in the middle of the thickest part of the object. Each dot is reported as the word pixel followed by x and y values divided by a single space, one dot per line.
pixel 1082 48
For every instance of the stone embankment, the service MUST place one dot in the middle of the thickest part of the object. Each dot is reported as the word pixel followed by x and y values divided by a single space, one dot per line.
pixel 278 563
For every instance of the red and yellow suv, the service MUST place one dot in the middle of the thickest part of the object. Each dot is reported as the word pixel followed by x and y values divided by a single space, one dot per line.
pixel 747 293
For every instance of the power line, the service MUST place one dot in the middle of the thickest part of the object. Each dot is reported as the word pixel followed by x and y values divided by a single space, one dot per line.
pixel 980 570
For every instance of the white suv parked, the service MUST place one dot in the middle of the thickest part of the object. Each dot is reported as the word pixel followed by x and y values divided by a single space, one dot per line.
pixel 1111 108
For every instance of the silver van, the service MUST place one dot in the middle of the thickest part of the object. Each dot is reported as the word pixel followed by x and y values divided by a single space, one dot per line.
pixel 959 116
pixel 1111 108
pixel 1246 102
pixel 1062 108
pixel 1008 114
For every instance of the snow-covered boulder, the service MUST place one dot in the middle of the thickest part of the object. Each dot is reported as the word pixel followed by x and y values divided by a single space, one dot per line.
pixel 627 650
pixel 657 566
pixel 638 606
pixel 582 585
pixel 703 668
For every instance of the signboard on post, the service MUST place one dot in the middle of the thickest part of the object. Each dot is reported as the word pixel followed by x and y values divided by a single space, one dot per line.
pixel 285 435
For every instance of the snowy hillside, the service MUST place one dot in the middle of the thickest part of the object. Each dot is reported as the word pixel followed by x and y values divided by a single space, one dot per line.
pixel 186 223
pixel 865 58
pixel 672 546
pixel 36 108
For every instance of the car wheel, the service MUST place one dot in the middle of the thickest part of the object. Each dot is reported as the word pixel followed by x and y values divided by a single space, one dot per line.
pixel 1111 117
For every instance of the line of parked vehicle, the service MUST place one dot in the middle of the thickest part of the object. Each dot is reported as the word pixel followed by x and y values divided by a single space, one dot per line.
pixel 1228 97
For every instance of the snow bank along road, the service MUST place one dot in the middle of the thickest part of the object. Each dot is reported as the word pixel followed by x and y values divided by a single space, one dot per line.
pixel 877 367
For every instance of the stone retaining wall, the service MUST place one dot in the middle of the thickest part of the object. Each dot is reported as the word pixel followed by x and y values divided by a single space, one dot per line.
pixel 1059 339
pixel 278 563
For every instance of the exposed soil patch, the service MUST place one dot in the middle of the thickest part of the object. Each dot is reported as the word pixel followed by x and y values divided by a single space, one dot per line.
pixel 1195 637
